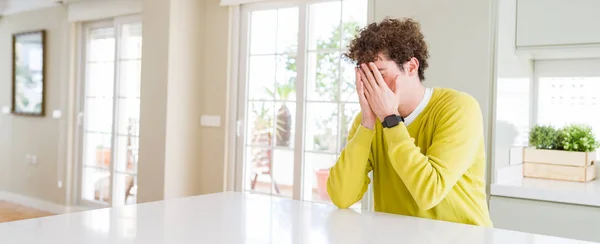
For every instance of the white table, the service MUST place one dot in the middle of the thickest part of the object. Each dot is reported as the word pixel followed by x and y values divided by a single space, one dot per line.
pixel 244 218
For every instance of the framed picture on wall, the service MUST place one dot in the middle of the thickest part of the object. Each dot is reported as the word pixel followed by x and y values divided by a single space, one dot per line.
pixel 28 78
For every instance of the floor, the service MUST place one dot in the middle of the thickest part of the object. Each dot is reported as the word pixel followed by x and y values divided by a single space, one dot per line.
pixel 12 212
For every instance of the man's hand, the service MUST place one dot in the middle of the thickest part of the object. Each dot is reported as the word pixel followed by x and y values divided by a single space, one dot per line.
pixel 368 117
pixel 382 100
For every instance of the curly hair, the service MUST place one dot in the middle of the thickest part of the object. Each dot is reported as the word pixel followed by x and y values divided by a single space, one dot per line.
pixel 398 39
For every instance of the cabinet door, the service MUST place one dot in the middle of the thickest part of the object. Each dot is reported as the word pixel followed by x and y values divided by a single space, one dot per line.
pixel 557 22
pixel 546 218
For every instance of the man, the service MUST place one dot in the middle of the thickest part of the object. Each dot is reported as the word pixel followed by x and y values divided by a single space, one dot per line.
pixel 425 146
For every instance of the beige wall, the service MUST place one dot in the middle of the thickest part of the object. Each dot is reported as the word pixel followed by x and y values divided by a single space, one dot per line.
pixel 184 76
pixel 44 137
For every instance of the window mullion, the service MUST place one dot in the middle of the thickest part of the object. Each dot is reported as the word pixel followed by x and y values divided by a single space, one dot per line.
pixel 115 119
pixel 300 103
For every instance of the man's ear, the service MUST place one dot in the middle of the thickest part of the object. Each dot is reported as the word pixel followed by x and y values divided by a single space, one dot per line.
pixel 412 66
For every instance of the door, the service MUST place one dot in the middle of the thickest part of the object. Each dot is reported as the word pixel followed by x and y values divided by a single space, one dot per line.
pixel 109 105
pixel 297 95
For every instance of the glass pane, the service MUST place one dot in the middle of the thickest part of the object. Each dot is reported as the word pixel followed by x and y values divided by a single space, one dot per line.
pixel 260 123
pixel 131 41
pixel 127 154
pixel 129 116
pixel 354 16
pixel 563 101
pixel 99 114
pixel 324 25
pixel 96 185
pixel 129 79
pixel 286 77
pixel 101 45
pixel 97 150
pixel 283 172
pixel 258 165
pixel 261 85
pixel 263 32
pixel 100 79
pixel 124 185
pixel 323 76
pixel 321 127
pixel 316 169
pixel 285 125
pixel 350 111
pixel 348 83
pixel 287 30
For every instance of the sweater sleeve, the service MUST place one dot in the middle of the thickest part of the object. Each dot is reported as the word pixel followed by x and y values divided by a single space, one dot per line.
pixel 456 143
pixel 348 178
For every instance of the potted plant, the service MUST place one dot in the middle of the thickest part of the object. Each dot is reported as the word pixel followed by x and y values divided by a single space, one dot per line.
pixel 568 153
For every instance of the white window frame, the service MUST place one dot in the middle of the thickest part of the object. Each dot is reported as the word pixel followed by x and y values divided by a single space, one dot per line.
pixel 83 28
pixel 237 109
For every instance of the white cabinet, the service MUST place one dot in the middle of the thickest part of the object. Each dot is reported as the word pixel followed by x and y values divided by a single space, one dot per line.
pixel 549 23
pixel 546 218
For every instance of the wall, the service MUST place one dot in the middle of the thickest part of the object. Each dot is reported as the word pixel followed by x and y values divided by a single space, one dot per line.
pixel 514 77
pixel 183 77
pixel 546 218
pixel 44 137
pixel 459 37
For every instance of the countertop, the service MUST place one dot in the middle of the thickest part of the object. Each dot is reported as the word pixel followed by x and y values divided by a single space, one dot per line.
pixel 510 183
pixel 234 217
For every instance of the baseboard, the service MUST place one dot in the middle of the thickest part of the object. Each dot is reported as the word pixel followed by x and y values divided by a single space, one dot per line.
pixel 39 204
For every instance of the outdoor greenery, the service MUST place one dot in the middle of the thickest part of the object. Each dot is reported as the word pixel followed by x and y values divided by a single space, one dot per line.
pixel 575 137
pixel 329 80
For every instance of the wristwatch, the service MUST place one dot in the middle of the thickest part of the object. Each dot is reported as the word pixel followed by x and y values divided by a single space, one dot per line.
pixel 391 121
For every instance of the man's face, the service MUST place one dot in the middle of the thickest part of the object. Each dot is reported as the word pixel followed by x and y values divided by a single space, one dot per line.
pixel 390 70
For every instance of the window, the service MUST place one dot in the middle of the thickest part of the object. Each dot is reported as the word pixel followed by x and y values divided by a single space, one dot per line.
pixel 563 92
pixel 298 96
pixel 109 111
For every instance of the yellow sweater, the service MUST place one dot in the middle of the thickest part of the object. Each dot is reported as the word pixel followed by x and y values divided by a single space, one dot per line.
pixel 441 175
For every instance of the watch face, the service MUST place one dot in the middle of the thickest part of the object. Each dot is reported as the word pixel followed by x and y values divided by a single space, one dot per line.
pixel 391 121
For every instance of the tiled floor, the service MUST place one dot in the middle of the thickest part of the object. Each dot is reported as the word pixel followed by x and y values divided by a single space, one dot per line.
pixel 12 212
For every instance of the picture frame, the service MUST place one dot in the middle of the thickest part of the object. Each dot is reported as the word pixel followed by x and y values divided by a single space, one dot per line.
pixel 29 73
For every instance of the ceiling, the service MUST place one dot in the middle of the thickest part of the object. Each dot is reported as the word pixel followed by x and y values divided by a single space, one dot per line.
pixel 16 6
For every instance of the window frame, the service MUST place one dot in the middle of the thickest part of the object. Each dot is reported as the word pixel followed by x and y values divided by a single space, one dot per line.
pixel 81 105
pixel 239 67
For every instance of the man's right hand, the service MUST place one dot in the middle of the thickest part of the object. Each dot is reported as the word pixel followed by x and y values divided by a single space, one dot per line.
pixel 368 117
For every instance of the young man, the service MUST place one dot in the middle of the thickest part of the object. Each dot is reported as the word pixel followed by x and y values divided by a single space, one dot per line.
pixel 425 146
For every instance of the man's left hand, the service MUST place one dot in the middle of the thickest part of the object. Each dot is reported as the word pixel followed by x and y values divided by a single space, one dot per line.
pixel 383 101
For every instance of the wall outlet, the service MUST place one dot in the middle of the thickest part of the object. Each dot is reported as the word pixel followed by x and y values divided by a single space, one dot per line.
pixel 31 159
pixel 6 109
pixel 56 114
pixel 210 120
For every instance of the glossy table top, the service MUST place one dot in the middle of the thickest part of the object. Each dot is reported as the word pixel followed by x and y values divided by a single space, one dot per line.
pixel 243 218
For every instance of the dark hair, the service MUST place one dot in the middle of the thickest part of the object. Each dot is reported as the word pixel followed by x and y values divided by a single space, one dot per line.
pixel 399 39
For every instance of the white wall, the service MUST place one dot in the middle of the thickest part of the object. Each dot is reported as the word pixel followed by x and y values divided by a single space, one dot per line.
pixel 513 72
pixel 554 219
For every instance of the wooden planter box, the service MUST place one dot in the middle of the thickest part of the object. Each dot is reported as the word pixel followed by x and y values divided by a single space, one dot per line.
pixel 559 165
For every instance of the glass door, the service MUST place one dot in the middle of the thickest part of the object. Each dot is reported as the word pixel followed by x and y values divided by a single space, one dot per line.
pixel 109 111
pixel 298 97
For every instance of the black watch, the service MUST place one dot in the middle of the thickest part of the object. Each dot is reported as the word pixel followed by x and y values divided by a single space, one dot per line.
pixel 391 121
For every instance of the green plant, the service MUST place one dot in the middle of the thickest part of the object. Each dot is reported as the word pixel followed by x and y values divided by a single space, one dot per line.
pixel 577 137
pixel 543 137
